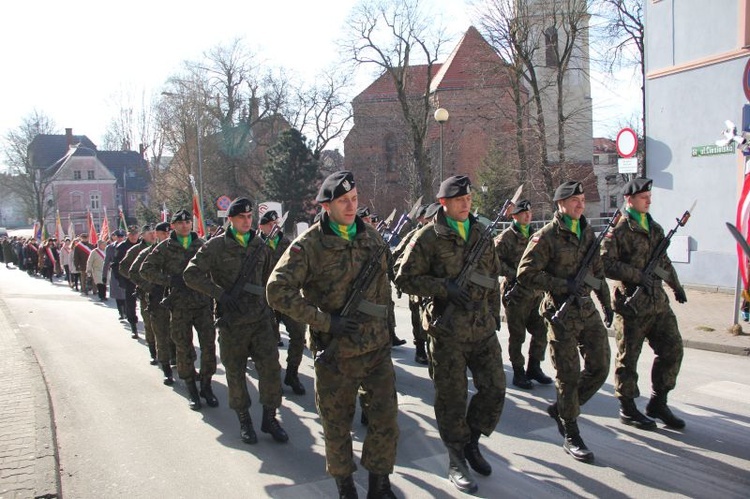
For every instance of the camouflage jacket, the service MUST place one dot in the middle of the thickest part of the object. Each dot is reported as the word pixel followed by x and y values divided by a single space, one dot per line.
pixel 435 255
pixel 510 245
pixel 283 244
pixel 313 279
pixel 134 274
pixel 553 256
pixel 130 256
pixel 626 250
pixel 169 259
pixel 217 265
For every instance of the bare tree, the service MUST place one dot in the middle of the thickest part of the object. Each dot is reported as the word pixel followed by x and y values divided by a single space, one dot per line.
pixel 392 35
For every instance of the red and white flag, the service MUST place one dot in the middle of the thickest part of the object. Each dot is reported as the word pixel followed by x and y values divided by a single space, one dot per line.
pixel 104 233
pixel 197 212
pixel 93 237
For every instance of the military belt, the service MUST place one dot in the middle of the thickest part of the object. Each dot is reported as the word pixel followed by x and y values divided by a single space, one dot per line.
pixel 373 309
pixel 483 280
pixel 254 289
pixel 661 273
pixel 592 281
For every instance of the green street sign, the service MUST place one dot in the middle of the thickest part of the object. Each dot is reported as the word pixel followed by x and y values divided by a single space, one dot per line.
pixel 712 150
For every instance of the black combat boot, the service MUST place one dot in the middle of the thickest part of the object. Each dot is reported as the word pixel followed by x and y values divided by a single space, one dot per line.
pixel 346 488
pixel 657 408
pixel 247 432
pixel 152 352
pixel 134 329
pixel 554 414
pixel 534 371
pixel 292 379
pixel 379 487
pixel 520 380
pixel 271 425
pixel 574 445
pixel 167 370
pixel 420 354
pixel 459 474
pixel 474 457
pixel 631 416
pixel 207 393
pixel 193 395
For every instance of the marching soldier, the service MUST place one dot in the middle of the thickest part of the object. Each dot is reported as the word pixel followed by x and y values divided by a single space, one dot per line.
pixel 188 308
pixel 120 251
pixel 626 251
pixel 232 269
pixel 322 263
pixel 296 330
pixel 432 261
pixel 521 304
pixel 550 263
pixel 144 242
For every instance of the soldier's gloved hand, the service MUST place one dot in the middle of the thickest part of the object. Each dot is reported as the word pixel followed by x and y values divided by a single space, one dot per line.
pixel 679 295
pixel 343 326
pixel 646 281
pixel 229 303
pixel 609 316
pixel 456 295
pixel 177 281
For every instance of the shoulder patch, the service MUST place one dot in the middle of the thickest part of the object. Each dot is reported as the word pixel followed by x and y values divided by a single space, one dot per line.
pixel 295 248
pixel 535 239
pixel 412 243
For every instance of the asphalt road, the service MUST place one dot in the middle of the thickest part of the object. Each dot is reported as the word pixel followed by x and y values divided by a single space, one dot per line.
pixel 121 433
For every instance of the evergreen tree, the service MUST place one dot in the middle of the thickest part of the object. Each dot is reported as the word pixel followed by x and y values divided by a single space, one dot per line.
pixel 292 176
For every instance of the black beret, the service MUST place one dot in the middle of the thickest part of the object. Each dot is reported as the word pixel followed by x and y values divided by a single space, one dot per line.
pixel 567 189
pixel 133 229
pixel 421 211
pixel 636 186
pixel 269 216
pixel 182 216
pixel 119 233
pixel 363 211
pixel 146 228
pixel 521 206
pixel 162 227
pixel 335 185
pixel 240 205
pixel 457 185
pixel 431 210
pixel 374 217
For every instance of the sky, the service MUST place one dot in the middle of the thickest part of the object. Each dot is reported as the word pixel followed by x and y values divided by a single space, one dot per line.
pixel 73 60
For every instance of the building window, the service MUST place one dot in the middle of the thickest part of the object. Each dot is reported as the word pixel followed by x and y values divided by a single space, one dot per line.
pixel 550 42
pixel 94 200
pixel 76 174
pixel 132 198
pixel 596 160
pixel 613 202
pixel 90 175
pixel 612 159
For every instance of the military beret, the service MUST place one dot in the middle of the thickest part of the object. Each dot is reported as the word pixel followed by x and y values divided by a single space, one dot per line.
pixel 133 229
pixel 374 217
pixel 240 205
pixel 363 211
pixel 335 185
pixel 421 211
pixel 119 233
pixel 457 185
pixel 521 206
pixel 162 227
pixel 568 189
pixel 636 186
pixel 182 216
pixel 146 228
pixel 431 210
pixel 268 217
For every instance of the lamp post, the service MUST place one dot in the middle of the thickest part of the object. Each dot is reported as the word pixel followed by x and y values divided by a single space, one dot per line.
pixel 441 116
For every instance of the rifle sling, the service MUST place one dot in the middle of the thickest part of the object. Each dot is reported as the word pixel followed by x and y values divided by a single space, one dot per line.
pixel 661 273
pixel 592 281
pixel 373 309
pixel 483 280
pixel 254 289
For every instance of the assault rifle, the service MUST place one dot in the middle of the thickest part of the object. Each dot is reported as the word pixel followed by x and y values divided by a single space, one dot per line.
pixel 652 267
pixel 583 276
pixel 404 224
pixel 471 260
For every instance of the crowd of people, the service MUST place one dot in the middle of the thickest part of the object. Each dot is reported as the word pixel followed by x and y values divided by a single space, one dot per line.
pixel 332 286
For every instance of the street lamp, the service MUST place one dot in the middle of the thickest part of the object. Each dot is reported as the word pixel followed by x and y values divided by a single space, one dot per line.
pixel 441 116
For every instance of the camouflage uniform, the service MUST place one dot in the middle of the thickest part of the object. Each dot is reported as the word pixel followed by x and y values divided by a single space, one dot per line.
pixel 212 271
pixel 625 251
pixel 124 268
pixel 553 257
pixel 415 302
pixel 436 254
pixel 322 266
pixel 188 308
pixel 521 304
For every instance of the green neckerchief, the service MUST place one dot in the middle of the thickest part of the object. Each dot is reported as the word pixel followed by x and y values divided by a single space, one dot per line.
pixel 346 231
pixel 242 239
pixel 524 229
pixel 573 225
pixel 185 241
pixel 462 228
pixel 639 217
pixel 273 243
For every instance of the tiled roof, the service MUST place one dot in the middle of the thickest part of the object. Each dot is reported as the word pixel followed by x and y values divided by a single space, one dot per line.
pixel 129 163
pixel 45 150
pixel 383 88
pixel 472 63
pixel 603 145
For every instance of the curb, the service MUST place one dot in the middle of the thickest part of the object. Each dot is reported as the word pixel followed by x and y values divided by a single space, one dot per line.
pixel 703 345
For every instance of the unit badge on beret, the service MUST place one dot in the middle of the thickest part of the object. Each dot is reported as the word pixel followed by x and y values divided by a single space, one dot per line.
pixel 346 185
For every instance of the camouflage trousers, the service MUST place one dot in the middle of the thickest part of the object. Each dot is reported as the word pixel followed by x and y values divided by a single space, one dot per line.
pixel 521 316
pixel 256 340
pixel 416 319
pixel 663 336
pixel 582 331
pixel 449 361
pixel 148 326
pixel 181 323
pixel 336 397
pixel 159 317
pixel 296 331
